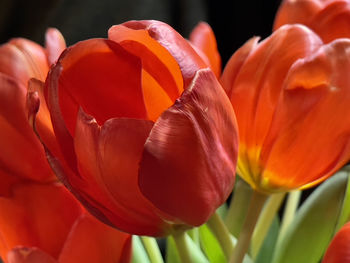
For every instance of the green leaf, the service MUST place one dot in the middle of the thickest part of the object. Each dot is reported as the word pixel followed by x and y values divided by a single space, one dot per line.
pixel 309 234
pixel 222 210
pixel 210 245
pixel 139 253
pixel 345 213
pixel 266 251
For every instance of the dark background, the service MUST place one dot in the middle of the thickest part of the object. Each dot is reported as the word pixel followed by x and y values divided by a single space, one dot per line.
pixel 233 21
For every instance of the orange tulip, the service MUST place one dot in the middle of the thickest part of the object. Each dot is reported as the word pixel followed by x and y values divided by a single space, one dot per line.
pixel 290 93
pixel 148 137
pixel 47 217
pixel 22 154
pixel 339 249
pixel 330 19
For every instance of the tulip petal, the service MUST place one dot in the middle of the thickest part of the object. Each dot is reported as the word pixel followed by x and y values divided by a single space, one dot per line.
pixel 30 217
pixel 188 60
pixel 23 59
pixel 109 172
pixel 297 12
pixel 333 21
pixel 43 122
pixel 235 63
pixel 203 38
pixel 88 75
pixel 258 86
pixel 339 250
pixel 54 44
pixel 156 60
pixel 17 139
pixel 309 135
pixel 29 255
pixel 92 241
pixel 188 164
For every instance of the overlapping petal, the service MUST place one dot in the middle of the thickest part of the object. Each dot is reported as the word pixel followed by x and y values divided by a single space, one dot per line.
pixel 104 97
pixel 339 250
pixel 257 86
pixel 29 217
pixel 329 19
pixel 17 139
pixel 189 154
pixel 309 136
pixel 202 37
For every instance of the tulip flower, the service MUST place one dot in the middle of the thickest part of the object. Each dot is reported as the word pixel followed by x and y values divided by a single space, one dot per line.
pixel 290 93
pixel 22 154
pixel 148 135
pixel 328 18
pixel 339 249
pixel 203 40
pixel 47 217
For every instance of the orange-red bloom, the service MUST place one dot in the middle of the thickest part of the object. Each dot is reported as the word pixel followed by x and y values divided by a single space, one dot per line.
pixel 290 93
pixel 148 137
pixel 47 217
pixel 22 154
pixel 35 210
pixel 330 19
pixel 339 249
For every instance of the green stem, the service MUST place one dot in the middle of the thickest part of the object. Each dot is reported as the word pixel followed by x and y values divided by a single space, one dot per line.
pixel 182 247
pixel 264 222
pixel 152 249
pixel 256 204
pixel 238 207
pixel 194 234
pixel 219 229
pixel 289 212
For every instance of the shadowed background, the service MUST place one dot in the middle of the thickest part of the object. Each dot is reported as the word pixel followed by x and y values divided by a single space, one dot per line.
pixel 233 21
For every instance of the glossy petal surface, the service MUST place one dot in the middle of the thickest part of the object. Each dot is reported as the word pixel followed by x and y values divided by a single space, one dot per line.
pixel 111 163
pixel 29 255
pixel 17 139
pixel 235 63
pixel 23 59
pixel 54 44
pixel 203 38
pixel 95 75
pixel 32 211
pixel 92 241
pixel 328 18
pixel 309 135
pixel 339 249
pixel 188 165
pixel 188 60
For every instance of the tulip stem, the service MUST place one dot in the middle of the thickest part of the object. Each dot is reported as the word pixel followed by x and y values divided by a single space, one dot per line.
pixel 256 204
pixel 264 222
pixel 238 207
pixel 194 234
pixel 221 232
pixel 152 249
pixel 289 213
pixel 182 247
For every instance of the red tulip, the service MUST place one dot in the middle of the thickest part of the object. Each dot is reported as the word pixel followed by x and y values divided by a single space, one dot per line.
pixel 141 153
pixel 48 218
pixel 22 154
pixel 330 19
pixel 203 40
pixel 290 93
pixel 339 249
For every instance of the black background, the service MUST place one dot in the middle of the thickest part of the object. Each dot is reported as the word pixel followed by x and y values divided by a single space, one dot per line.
pixel 233 21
